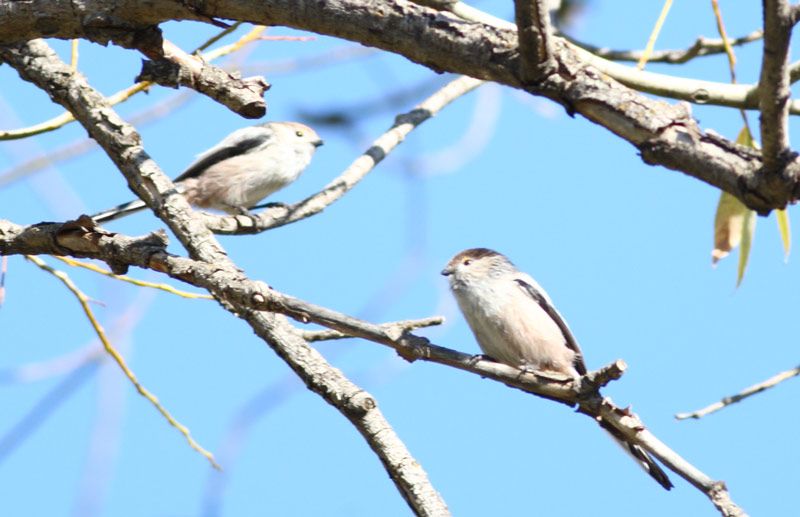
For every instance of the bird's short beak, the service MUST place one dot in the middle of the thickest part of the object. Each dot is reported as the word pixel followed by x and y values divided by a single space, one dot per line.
pixel 447 271
pixel 318 143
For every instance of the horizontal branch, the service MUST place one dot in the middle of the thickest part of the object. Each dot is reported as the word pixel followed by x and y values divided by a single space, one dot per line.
pixel 254 297
pixel 701 47
pixel 663 134
pixel 396 327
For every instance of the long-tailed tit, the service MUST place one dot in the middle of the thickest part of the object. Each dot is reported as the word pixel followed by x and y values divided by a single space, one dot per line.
pixel 515 323
pixel 245 167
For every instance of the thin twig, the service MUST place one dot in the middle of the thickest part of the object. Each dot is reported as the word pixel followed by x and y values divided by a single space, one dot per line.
pixel 651 41
pixel 701 47
pixel 141 283
pixel 728 46
pixel 115 355
pixel 218 36
pixel 396 327
pixel 745 393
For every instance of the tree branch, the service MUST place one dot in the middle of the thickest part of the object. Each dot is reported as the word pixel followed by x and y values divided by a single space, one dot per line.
pixel 774 86
pixel 170 66
pixel 252 298
pixel 397 327
pixel 281 215
pixel 535 38
pixel 664 135
pixel 701 47
pixel 745 393
pixel 36 62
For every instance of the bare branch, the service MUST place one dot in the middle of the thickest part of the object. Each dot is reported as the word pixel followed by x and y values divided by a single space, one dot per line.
pixel 282 215
pixel 170 66
pixel 535 39
pixel 397 327
pixel 664 135
pixel 36 62
pixel 745 393
pixel 774 86
pixel 83 300
pixel 252 298
pixel 701 47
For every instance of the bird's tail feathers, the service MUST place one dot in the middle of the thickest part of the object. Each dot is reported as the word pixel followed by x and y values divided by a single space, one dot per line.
pixel 119 211
pixel 640 456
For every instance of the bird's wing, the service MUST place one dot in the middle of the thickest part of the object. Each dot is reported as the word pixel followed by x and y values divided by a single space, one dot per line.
pixel 537 293
pixel 237 143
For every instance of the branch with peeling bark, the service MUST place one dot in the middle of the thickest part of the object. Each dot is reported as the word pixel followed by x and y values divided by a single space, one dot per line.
pixel 252 298
pixel 170 66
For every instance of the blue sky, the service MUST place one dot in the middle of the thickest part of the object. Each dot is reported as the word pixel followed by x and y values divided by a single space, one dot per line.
pixel 623 249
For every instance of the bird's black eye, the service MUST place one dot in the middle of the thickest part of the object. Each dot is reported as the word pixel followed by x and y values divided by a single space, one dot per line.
pixel 466 262
pixel 299 133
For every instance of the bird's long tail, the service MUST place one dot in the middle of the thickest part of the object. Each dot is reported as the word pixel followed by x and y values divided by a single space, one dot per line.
pixel 119 211
pixel 640 456
pixel 128 208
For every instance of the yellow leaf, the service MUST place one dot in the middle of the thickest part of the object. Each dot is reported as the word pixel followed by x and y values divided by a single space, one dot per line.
pixel 786 232
pixel 728 226
pixel 749 230
pixel 734 224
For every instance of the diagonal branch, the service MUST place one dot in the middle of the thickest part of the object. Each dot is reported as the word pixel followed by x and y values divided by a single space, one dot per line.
pixel 774 86
pixel 253 298
pixel 281 215
pixel 36 62
pixel 745 393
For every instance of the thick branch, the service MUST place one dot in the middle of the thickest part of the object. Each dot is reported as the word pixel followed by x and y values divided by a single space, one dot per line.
pixel 170 66
pixel 664 135
pixel 774 86
pixel 535 38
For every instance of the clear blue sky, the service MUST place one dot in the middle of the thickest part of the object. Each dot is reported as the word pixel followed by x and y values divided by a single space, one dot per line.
pixel 623 249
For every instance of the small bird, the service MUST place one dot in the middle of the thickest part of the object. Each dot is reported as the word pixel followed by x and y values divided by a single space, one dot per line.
pixel 245 167
pixel 515 323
